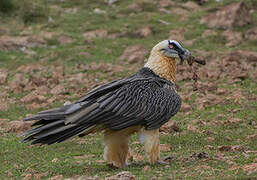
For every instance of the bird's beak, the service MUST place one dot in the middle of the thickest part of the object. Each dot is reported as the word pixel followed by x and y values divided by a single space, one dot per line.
pixel 184 54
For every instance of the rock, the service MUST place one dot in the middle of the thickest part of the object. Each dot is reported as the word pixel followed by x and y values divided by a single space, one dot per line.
pixel 111 2
pixel 64 39
pixel 191 6
pixel 232 38
pixel 201 155
pixel 181 13
pixel 3 104
pixel 85 54
pixel 165 147
pixel 233 121
pixel 193 128
pixel 166 3
pixel 177 34
pixel 251 137
pixel 239 55
pixel 171 125
pixel 18 83
pixel 134 7
pixel 230 16
pixel 144 31
pixel 58 74
pixel 30 68
pixel 27 177
pixel 46 34
pixel 18 42
pixel 201 2
pixel 57 90
pixel 99 11
pixel 57 177
pixel 189 42
pixel 18 126
pixel 185 107
pixel 251 34
pixel 251 56
pixel 85 178
pixel 38 176
pixel 209 32
pixel 78 78
pixel 100 33
pixel 231 148
pixel 250 168
pixel 55 160
pixel 3 31
pixel 35 41
pixel 3 76
pixel 70 10
pixel 134 54
pixel 221 91
pixel 124 175
pixel 33 97
pixel 12 43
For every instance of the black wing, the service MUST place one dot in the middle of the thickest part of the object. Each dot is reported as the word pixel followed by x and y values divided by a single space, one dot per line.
pixel 120 104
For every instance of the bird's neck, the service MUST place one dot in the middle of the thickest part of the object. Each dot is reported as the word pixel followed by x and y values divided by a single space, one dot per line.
pixel 162 66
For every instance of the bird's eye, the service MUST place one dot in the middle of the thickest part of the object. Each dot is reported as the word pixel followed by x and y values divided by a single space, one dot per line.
pixel 171 46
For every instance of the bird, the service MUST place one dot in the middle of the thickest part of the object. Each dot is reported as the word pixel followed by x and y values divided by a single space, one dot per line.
pixel 140 104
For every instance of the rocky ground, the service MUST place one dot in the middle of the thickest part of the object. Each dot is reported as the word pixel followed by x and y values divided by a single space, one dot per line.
pixel 82 44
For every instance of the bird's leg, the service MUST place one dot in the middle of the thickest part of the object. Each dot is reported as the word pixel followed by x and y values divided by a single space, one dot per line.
pixel 150 139
pixel 116 148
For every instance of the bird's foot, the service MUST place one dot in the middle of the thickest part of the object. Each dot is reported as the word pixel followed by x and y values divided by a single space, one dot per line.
pixel 110 165
pixel 165 160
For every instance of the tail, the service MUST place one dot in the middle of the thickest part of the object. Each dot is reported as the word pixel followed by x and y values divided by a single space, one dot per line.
pixel 52 126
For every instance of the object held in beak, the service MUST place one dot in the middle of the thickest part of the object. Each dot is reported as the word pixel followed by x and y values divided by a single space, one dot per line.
pixel 186 55
pixel 191 59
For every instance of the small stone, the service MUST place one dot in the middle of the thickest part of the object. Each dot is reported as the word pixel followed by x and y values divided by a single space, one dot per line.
pixel 99 11
pixel 134 54
pixel 232 38
pixel 144 31
pixel 3 76
pixel 236 14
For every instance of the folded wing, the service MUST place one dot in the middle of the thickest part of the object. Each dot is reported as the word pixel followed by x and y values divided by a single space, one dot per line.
pixel 149 102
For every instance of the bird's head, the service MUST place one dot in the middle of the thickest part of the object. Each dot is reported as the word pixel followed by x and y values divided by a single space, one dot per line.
pixel 163 57
pixel 171 49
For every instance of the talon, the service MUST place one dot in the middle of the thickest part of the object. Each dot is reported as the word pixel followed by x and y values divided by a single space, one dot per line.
pixel 110 165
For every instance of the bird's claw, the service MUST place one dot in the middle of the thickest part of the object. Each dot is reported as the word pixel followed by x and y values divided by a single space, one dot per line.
pixel 110 165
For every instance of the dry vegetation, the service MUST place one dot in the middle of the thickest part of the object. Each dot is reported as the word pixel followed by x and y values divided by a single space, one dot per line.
pixel 52 52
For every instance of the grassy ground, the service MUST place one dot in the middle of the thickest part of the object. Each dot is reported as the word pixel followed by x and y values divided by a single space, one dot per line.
pixel 207 130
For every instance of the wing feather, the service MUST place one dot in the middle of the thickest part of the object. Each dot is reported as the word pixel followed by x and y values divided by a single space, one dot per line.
pixel 149 102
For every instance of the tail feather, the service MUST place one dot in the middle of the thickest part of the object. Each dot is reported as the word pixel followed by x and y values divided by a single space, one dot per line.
pixel 59 124
pixel 53 131
pixel 61 136
pixel 49 116
pixel 43 127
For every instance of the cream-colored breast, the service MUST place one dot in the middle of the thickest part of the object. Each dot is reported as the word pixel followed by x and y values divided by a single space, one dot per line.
pixel 163 66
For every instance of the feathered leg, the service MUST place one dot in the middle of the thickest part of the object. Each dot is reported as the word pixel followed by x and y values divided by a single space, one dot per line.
pixel 116 149
pixel 150 139
pixel 116 146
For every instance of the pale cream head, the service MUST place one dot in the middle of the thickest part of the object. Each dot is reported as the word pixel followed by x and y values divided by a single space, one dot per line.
pixel 162 59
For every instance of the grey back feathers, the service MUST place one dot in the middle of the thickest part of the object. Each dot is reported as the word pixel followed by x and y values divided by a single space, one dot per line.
pixel 142 99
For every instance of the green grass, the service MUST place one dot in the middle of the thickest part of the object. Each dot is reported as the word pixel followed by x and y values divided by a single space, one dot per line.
pixel 18 159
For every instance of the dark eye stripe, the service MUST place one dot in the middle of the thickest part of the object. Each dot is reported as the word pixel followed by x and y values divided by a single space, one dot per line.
pixel 175 44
